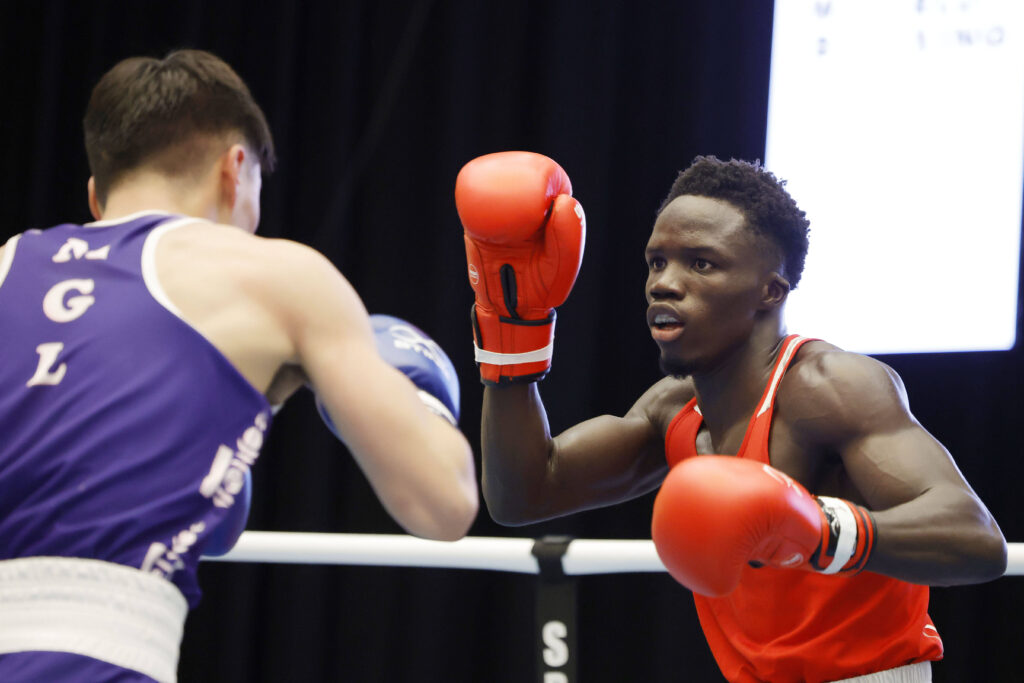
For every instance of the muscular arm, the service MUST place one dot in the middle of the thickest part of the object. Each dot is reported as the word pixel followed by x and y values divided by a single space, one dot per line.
pixel 418 465
pixel 529 476
pixel 931 526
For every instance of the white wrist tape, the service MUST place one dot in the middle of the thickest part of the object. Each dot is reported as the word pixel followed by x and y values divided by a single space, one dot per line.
pixel 513 358
pixel 846 543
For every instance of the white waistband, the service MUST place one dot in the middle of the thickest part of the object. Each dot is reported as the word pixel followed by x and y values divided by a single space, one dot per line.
pixel 919 672
pixel 106 611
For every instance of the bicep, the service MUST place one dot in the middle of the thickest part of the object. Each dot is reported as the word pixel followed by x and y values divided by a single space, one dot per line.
pixel 931 526
pixel 898 462
pixel 888 455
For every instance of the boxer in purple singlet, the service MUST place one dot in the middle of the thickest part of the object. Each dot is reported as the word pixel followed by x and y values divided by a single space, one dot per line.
pixel 143 354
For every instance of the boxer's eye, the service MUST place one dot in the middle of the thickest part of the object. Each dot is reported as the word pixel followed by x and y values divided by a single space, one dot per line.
pixel 656 263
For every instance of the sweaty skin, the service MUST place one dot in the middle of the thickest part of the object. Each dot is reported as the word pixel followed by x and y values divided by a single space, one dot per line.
pixel 842 424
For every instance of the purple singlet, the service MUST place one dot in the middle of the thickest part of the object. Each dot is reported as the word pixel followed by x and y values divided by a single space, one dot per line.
pixel 124 434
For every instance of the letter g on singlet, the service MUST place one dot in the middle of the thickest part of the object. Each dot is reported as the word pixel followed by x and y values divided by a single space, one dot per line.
pixel 58 310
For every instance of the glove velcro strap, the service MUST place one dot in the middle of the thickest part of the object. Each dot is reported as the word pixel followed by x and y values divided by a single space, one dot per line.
pixel 848 537
pixel 493 358
pixel 436 406
pixel 512 349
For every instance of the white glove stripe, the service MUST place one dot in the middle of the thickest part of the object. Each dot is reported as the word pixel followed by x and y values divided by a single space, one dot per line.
pixel 847 541
pixel 436 406
pixel 513 358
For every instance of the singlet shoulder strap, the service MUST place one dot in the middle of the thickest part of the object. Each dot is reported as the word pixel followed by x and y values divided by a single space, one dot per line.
pixel 755 443
pixel 790 346
pixel 148 264
pixel 8 257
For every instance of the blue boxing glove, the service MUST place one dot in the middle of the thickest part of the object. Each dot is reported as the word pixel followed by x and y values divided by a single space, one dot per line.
pixel 408 349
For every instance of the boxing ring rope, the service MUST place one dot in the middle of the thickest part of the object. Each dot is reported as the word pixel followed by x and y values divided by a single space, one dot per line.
pixel 557 560
pixel 583 556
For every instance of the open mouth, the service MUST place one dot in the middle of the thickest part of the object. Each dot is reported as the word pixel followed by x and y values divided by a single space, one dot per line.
pixel 665 321
pixel 666 327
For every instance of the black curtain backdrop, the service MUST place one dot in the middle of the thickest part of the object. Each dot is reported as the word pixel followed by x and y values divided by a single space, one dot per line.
pixel 375 106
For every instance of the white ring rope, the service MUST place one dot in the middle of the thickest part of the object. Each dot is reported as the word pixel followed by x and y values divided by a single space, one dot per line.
pixel 583 556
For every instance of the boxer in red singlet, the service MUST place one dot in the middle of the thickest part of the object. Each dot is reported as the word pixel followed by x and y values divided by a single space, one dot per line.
pixel 800 499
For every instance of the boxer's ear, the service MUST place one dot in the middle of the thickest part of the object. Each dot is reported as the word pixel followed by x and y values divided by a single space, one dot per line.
pixel 774 291
pixel 95 208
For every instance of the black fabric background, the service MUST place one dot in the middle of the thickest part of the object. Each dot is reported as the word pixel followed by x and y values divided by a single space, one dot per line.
pixel 375 106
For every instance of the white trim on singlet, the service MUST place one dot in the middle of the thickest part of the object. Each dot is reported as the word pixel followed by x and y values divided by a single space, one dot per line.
pixel 919 672
pixel 5 264
pixel 125 219
pixel 152 281
pixel 149 273
pixel 780 370
pixel 106 611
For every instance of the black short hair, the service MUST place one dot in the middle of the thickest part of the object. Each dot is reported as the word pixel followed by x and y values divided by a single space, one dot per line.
pixel 761 197
pixel 165 113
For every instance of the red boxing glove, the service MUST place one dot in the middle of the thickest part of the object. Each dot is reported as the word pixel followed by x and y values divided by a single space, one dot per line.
pixel 524 237
pixel 715 514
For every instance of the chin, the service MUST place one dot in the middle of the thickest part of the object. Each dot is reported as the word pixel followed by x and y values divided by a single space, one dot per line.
pixel 675 367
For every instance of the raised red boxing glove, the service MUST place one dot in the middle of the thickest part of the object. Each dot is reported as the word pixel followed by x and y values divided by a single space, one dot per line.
pixel 716 514
pixel 524 236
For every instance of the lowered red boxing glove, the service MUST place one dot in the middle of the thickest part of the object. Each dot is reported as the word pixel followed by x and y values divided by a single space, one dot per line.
pixel 716 514
pixel 524 237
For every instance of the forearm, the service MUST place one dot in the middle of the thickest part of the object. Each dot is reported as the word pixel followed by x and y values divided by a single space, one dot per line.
pixel 517 447
pixel 943 537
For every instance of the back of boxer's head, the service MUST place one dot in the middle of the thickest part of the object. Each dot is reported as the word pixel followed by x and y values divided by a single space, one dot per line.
pixel 762 198
pixel 173 115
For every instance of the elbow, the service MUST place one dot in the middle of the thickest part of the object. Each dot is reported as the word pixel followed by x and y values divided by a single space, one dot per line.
pixel 455 513
pixel 506 510
pixel 984 557
pixel 991 552
pixel 458 519
pixel 979 544
pixel 993 556
pixel 456 509
pixel 445 513
pixel 1001 562
pixel 507 517
pixel 449 520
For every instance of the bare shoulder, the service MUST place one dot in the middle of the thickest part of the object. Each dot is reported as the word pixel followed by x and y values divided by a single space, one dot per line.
pixel 663 401
pixel 841 393
pixel 238 251
pixel 822 370
pixel 260 301
pixel 277 271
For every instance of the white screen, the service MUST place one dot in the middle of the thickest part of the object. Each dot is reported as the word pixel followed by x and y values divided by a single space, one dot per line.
pixel 899 126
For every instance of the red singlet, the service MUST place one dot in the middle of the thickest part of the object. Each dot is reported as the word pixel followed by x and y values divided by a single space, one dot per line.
pixel 784 625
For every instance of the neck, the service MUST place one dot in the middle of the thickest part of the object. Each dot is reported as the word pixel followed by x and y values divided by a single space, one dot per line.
pixel 729 392
pixel 153 192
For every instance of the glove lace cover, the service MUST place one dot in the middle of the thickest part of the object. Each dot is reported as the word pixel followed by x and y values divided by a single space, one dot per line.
pixel 524 236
